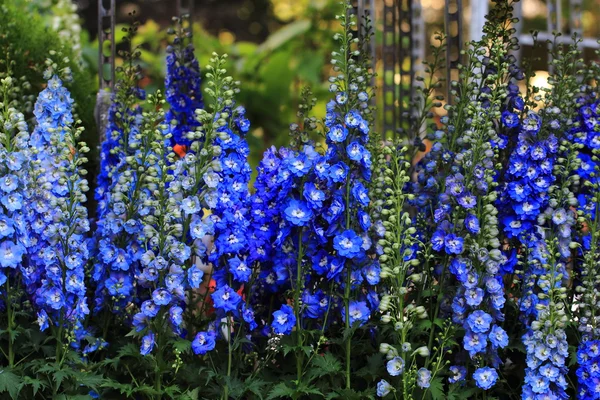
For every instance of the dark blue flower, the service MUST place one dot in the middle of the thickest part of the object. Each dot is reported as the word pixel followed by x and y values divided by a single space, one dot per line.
pixel 203 342
pixel 284 320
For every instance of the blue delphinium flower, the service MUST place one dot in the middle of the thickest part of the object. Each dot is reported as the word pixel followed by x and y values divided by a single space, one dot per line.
pixel 485 377
pixel 203 342
pixel 16 236
pixel 120 193
pixel 182 88
pixel 59 252
pixel 383 388
pixel 283 320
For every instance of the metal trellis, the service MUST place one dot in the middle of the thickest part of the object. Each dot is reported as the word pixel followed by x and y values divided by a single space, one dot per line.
pixel 106 63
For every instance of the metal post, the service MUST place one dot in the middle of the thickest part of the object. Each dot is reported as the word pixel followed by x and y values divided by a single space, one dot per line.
pixel 453 25
pixel 554 21
pixel 106 63
pixel 479 9
pixel 391 62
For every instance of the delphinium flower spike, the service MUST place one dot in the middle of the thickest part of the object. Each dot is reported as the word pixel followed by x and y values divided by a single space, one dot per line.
pixel 121 191
pixel 548 247
pixel 57 212
pixel 15 181
pixel 465 232
pixel 182 85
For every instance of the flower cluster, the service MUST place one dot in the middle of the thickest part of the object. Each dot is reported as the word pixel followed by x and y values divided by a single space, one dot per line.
pixel 588 375
pixel 15 237
pixel 59 250
pixel 182 87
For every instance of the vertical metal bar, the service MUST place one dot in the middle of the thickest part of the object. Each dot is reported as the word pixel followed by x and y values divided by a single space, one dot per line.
pixel 106 63
pixel 553 24
pixel 390 63
pixel 406 67
pixel 575 26
pixel 453 24
pixel 479 9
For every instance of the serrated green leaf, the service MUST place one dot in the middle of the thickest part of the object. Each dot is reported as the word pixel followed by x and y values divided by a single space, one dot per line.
pixel 10 382
pixel 35 384
pixel 326 364
pixel 281 390
pixel 436 388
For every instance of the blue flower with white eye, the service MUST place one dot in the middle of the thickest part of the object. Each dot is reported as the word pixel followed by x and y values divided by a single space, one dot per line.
pixel 353 119
pixel 372 273
pixel 358 311
pixel 383 388
pixel 361 194
pixel 314 196
pixel 190 205
pixel 458 373
pixel 298 213
pixel 161 297
pixel 337 133
pixel 284 320
pixel 485 377
pixel 472 224
pixel 453 244
pixel 438 239
pixel 341 98
pixel 348 244
pixel 355 151
pixel 338 172
pixel 203 342
pixel 43 320
pixel 239 269
pixel 474 342
pixel 8 183
pixel 395 366
pixel 423 378
pixel 11 254
pixel 479 321
pixel 226 299
pixel 176 316
pixel 509 119
pixel 149 309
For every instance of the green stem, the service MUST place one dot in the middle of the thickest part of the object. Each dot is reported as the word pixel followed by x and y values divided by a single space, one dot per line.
pixel 226 387
pixel 10 314
pixel 297 294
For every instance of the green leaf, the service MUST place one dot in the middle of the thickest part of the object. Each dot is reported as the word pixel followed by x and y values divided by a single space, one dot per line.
pixel 35 384
pixel 255 386
pixel 436 388
pixel 9 382
pixel 182 345
pixel 283 35
pixel 371 369
pixel 193 395
pixel 281 390
pixel 326 364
